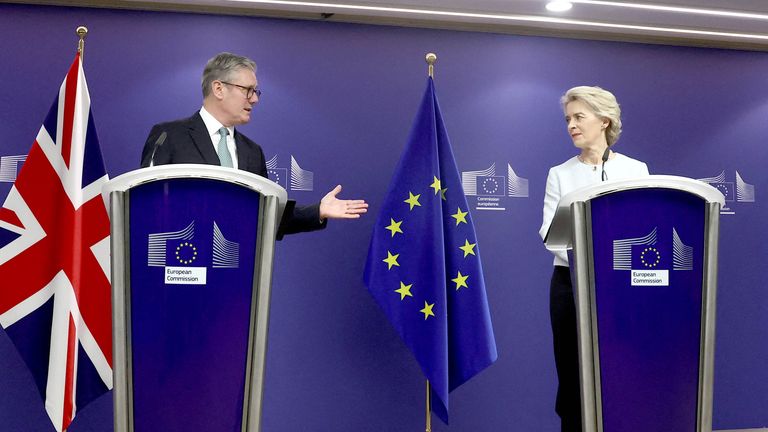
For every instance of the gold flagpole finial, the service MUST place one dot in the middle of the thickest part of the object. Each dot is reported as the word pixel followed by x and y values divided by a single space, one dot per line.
pixel 431 58
pixel 82 31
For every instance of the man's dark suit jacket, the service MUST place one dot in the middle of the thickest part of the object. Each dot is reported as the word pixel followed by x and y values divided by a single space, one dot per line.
pixel 187 141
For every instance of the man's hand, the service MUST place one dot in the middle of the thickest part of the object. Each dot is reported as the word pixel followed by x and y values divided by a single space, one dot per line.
pixel 334 208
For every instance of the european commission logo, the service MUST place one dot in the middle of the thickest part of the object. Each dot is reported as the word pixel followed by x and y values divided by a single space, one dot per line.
pixel 9 167
pixel 734 192
pixel 648 261
pixel 300 179
pixel 490 189
pixel 182 257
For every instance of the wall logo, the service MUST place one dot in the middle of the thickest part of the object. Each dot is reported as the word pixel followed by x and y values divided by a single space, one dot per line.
pixel 9 167
pixel 301 179
pixel 491 190
pixel 649 262
pixel 178 252
pixel 740 192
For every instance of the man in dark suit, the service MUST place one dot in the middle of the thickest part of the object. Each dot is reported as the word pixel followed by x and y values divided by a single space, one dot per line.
pixel 230 90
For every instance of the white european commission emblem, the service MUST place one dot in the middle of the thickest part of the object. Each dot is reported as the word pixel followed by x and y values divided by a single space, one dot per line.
pixel 185 255
pixel 300 179
pixel 10 166
pixel 739 191
pixel 490 189
pixel 648 259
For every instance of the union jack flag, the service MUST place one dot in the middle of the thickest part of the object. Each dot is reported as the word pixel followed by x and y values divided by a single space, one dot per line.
pixel 54 258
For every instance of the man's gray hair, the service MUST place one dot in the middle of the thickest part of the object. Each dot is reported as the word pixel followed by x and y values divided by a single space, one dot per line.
pixel 221 68
pixel 603 103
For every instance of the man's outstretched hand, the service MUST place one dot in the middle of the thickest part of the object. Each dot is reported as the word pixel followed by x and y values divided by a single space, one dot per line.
pixel 334 208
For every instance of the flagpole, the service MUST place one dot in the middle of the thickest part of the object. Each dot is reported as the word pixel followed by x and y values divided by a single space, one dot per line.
pixel 82 31
pixel 429 409
pixel 431 58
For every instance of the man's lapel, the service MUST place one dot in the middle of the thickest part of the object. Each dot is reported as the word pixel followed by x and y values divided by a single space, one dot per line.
pixel 243 158
pixel 202 140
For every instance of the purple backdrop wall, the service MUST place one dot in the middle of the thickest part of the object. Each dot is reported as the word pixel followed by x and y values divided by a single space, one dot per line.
pixel 340 98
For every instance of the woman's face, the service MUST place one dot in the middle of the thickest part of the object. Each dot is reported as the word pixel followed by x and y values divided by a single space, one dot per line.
pixel 584 126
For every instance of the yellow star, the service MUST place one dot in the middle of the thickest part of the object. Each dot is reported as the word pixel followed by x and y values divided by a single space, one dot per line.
pixel 405 290
pixel 427 311
pixel 460 216
pixel 468 248
pixel 435 185
pixel 461 281
pixel 442 193
pixel 394 227
pixel 391 260
pixel 413 200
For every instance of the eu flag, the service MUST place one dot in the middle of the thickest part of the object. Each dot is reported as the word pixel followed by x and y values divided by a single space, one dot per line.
pixel 423 264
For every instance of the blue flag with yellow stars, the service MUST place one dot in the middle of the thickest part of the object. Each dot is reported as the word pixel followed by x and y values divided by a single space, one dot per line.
pixel 423 264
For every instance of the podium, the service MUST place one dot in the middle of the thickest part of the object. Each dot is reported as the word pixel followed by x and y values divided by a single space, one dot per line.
pixel 192 252
pixel 643 259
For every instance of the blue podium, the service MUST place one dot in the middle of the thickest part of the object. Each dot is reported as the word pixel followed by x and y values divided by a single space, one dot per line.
pixel 643 256
pixel 192 252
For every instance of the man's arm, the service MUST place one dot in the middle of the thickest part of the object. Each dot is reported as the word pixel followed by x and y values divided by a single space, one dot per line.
pixel 315 217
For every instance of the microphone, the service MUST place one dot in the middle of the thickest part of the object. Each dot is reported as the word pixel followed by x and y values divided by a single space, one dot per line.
pixel 606 154
pixel 158 143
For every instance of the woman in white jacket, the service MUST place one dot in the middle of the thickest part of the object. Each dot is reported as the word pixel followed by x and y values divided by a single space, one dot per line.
pixel 593 119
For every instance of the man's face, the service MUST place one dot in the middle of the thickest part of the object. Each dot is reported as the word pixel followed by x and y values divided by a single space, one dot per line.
pixel 235 106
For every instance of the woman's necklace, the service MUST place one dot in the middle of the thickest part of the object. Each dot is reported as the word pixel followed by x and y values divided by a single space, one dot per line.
pixel 581 159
